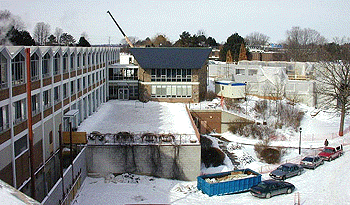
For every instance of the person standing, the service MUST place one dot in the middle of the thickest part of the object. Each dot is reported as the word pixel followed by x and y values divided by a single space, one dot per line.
pixel 326 143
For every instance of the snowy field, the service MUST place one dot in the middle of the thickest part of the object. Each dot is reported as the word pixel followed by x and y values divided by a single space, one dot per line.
pixel 328 184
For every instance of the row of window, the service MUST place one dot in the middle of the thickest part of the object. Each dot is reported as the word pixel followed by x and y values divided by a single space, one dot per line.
pixel 174 91
pixel 123 74
pixel 243 71
pixel 18 65
pixel 19 107
pixel 171 75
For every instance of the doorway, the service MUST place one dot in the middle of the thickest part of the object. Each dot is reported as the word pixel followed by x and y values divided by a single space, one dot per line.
pixel 123 94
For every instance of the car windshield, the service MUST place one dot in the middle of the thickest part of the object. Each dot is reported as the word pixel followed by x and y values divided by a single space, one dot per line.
pixel 328 150
pixel 262 185
pixel 283 168
pixel 308 159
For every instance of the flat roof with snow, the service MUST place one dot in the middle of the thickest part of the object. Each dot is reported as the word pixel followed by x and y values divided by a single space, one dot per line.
pixel 135 117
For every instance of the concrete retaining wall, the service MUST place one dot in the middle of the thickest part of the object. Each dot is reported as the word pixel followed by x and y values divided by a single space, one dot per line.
pixel 166 161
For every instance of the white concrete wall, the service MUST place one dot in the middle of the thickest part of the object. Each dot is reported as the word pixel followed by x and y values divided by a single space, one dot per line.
pixel 156 160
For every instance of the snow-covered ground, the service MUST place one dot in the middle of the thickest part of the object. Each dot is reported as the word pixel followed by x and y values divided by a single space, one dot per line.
pixel 328 184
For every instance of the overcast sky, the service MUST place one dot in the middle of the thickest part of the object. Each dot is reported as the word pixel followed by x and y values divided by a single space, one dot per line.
pixel 219 19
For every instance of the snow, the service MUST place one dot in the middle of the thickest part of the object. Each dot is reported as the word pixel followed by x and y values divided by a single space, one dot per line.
pixel 133 116
pixel 327 184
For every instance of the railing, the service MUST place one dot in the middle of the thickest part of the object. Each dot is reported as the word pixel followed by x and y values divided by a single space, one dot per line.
pixel 126 138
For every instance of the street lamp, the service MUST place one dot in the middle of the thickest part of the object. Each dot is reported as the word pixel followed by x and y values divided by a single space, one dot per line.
pixel 300 141
pixel 245 97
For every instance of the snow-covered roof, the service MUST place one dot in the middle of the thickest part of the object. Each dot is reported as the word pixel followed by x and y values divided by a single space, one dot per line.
pixel 133 116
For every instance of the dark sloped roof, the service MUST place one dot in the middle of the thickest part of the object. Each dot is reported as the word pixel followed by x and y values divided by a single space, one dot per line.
pixel 171 57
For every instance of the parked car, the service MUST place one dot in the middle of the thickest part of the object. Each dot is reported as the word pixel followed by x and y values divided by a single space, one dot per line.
pixel 330 153
pixel 268 188
pixel 311 162
pixel 286 170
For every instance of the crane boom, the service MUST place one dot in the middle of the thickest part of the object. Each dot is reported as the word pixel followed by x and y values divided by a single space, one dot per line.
pixel 121 30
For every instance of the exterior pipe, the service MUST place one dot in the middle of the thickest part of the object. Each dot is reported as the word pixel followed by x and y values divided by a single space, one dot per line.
pixel 30 124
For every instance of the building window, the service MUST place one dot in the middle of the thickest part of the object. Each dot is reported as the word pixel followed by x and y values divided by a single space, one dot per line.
pixel 84 60
pixel 93 78
pixel 78 85
pixel 252 72
pixel 65 63
pixel 123 73
pixel 240 71
pixel 21 145
pixel 3 71
pixel 20 111
pixel 47 99
pixel 72 61
pixel 72 87
pixel 78 61
pixel 4 118
pixel 93 59
pixel 57 94
pixel 56 64
pixel 173 91
pixel 171 75
pixel 34 67
pixel 65 90
pixel 18 70
pixel 35 104
pixel 84 82
pixel 46 65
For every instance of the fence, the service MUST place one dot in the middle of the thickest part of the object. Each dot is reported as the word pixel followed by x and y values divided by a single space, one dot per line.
pixel 129 138
pixel 66 188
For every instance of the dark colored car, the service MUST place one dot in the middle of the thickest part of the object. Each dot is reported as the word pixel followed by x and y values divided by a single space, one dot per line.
pixel 286 170
pixel 311 162
pixel 268 188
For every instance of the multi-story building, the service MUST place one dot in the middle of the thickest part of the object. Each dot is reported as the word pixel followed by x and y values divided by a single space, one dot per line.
pixel 170 74
pixel 61 79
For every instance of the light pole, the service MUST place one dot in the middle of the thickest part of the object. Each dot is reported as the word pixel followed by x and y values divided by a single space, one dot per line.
pixel 245 97
pixel 300 141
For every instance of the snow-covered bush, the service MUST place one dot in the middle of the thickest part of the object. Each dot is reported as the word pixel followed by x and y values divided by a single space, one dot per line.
pixel 252 130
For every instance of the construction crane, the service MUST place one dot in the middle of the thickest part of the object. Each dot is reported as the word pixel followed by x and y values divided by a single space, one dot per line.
pixel 121 30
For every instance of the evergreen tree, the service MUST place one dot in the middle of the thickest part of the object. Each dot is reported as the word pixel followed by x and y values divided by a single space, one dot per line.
pixel 233 44
pixel 83 42
pixel 67 39
pixel 52 40
pixel 242 53
pixel 20 38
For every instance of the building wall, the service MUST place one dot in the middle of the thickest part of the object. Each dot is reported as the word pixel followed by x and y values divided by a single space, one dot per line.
pixel 198 84
pixel 14 167
pixel 167 161
pixel 207 121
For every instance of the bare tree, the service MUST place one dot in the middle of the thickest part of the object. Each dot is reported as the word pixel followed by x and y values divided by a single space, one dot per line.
pixel 303 44
pixel 333 84
pixel 41 33
pixel 58 34
pixel 341 41
pixel 256 39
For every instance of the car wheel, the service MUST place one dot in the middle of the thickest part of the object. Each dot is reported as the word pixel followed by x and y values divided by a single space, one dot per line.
pixel 289 191
pixel 268 195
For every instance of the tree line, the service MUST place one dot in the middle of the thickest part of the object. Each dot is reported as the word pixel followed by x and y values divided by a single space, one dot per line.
pixel 12 32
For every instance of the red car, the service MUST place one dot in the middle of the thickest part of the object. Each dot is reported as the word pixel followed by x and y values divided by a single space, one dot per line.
pixel 330 153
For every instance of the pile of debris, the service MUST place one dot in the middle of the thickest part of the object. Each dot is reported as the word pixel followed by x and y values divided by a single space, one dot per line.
pixel 127 178
pixel 230 177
